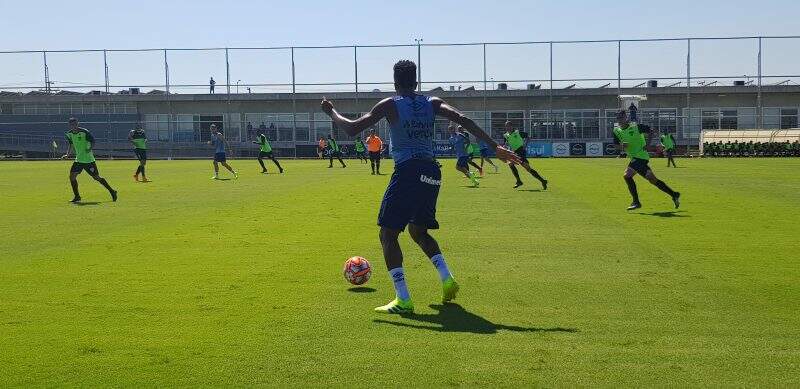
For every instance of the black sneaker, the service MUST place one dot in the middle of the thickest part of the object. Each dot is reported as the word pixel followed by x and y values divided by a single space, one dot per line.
pixel 518 184
pixel 677 200
pixel 114 195
pixel 75 200
pixel 634 205
pixel 544 184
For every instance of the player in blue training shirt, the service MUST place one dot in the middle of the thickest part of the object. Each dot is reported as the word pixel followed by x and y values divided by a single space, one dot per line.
pixel 410 198
pixel 460 141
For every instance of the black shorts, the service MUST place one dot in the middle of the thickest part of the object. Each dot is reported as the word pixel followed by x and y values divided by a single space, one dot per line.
pixel 640 166
pixel 522 154
pixel 374 155
pixel 141 154
pixel 91 168
pixel 264 154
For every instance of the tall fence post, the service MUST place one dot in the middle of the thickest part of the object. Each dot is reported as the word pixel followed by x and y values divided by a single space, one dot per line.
pixel 688 124
pixel 166 72
pixel 227 74
pixel 419 64
pixel 760 104
pixel 294 106
pixel 46 72
pixel 355 67
pixel 550 96
pixel 619 73
pixel 105 64
pixel 486 121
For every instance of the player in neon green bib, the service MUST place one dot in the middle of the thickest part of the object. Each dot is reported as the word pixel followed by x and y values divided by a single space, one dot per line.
pixel 266 151
pixel 81 140
pixel 361 150
pixel 631 136
pixel 668 143
pixel 139 140
pixel 334 152
pixel 515 140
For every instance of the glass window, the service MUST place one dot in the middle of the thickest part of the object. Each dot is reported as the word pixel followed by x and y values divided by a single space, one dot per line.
pixel 788 118
pixel 302 127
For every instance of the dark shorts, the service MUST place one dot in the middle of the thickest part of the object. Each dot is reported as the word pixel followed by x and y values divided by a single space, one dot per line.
pixel 669 152
pixel 411 196
pixel 264 154
pixel 485 153
pixel 141 154
pixel 220 157
pixel 91 168
pixel 640 166
pixel 362 152
pixel 335 154
pixel 463 161
pixel 375 155
pixel 523 156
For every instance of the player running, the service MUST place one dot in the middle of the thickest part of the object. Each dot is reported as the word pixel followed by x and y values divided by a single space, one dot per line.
pixel 410 199
pixel 266 151
pixel 484 153
pixel 668 143
pixel 361 150
pixel 631 136
pixel 139 140
pixel 334 152
pixel 515 140
pixel 82 141
pixel 219 142
pixel 459 141
pixel 375 148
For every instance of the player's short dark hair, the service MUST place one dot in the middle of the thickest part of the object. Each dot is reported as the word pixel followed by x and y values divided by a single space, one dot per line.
pixel 405 74
pixel 73 120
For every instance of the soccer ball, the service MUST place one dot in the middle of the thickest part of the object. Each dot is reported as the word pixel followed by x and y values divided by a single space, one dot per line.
pixel 357 270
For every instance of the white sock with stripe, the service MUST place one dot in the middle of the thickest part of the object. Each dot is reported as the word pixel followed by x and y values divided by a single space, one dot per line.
pixel 399 278
pixel 441 266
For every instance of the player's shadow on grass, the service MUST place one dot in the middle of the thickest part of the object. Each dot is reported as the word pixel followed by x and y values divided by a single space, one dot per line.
pixel 454 318
pixel 85 203
pixel 361 289
pixel 664 214
pixel 529 190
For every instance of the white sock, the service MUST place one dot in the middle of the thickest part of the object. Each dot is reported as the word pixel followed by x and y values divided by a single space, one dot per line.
pixel 399 278
pixel 441 266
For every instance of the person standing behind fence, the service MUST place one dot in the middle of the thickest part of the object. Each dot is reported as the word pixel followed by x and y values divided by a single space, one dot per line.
pixel 139 140
pixel 668 143
pixel 633 113
pixel 211 84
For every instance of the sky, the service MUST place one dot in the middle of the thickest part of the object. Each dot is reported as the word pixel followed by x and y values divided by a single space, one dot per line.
pixel 62 25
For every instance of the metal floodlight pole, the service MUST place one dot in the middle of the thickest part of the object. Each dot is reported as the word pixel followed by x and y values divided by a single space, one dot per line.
pixel 760 106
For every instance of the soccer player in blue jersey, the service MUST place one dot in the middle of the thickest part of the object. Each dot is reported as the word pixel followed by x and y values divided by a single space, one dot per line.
pixel 460 141
pixel 220 158
pixel 410 198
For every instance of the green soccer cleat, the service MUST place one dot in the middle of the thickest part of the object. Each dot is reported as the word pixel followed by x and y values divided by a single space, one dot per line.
pixel 397 306
pixel 449 289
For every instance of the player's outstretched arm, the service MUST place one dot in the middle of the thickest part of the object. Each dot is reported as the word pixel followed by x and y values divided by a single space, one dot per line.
pixel 444 109
pixel 354 127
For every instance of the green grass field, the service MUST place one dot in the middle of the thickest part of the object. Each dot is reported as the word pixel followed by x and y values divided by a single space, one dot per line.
pixel 188 281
